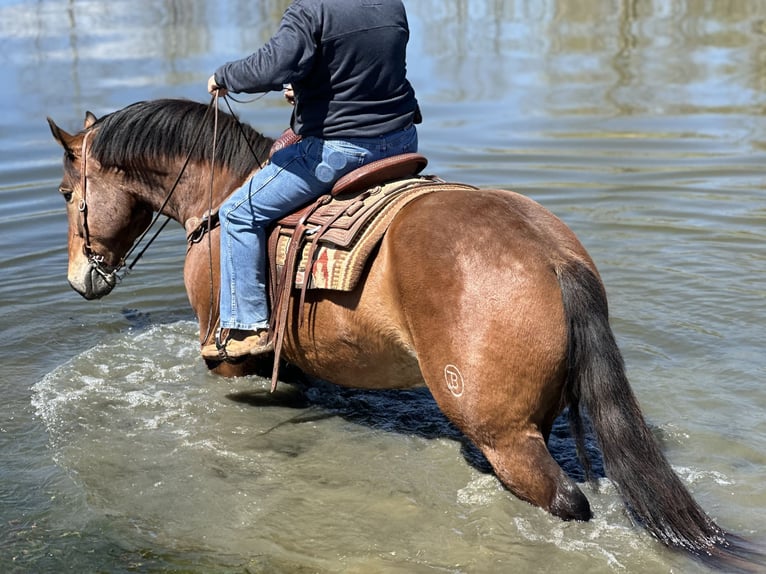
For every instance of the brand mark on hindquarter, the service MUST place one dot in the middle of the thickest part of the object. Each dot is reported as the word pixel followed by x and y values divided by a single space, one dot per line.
pixel 454 380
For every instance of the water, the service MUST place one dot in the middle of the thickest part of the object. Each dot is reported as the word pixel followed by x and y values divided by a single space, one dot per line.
pixel 639 123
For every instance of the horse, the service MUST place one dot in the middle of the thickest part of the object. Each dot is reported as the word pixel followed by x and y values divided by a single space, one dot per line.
pixel 484 296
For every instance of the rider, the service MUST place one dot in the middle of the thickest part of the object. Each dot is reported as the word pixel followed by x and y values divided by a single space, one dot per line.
pixel 345 63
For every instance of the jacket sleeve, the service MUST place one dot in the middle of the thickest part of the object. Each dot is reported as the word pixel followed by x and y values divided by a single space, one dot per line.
pixel 285 58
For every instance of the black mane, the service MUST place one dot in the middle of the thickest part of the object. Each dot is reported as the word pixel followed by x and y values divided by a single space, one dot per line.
pixel 140 137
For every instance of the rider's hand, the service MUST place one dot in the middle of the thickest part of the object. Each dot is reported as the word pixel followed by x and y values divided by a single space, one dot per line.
pixel 215 89
pixel 289 94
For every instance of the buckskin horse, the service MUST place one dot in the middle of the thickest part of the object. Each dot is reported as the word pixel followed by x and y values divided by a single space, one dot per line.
pixel 483 295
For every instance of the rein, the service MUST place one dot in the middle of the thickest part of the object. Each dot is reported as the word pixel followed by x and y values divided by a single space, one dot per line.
pixel 210 218
pixel 108 272
pixel 111 273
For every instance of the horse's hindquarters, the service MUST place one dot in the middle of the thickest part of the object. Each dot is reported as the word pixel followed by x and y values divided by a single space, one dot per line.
pixel 474 276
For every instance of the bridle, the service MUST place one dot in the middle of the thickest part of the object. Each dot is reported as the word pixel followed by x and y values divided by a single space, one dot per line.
pixel 96 261
pixel 111 273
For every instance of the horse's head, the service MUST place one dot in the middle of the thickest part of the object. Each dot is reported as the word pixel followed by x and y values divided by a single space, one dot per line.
pixel 104 217
pixel 124 166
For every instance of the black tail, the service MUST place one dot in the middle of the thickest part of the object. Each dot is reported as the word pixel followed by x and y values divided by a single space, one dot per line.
pixel 632 457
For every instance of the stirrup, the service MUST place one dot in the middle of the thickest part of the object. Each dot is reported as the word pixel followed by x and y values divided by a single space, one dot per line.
pixel 252 343
pixel 220 346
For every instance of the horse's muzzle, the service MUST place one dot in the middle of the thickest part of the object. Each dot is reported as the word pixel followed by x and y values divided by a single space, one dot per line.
pixel 93 282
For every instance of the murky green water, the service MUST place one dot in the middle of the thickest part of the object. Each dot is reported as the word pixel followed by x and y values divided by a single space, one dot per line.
pixel 639 123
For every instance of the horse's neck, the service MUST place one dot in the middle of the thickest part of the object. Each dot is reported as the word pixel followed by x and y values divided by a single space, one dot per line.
pixel 193 194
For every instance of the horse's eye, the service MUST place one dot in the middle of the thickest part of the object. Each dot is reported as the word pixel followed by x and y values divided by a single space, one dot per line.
pixel 67 193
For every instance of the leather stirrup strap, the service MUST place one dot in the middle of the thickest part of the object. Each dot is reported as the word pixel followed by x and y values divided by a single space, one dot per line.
pixel 282 307
pixel 284 287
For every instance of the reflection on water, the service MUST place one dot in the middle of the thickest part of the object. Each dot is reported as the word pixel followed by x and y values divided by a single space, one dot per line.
pixel 640 123
pixel 599 57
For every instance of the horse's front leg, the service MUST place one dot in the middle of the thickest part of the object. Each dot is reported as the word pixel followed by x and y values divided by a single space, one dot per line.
pixel 202 281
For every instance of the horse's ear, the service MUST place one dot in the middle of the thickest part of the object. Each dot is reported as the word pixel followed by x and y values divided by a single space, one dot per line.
pixel 66 140
pixel 90 119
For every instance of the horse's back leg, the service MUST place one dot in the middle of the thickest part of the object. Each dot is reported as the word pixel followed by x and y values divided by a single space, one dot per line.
pixel 523 464
pixel 510 427
pixel 491 344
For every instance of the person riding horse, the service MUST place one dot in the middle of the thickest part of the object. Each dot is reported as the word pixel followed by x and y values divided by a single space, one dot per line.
pixel 345 63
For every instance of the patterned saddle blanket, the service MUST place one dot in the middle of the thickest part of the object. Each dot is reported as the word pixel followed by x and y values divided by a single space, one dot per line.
pixel 337 234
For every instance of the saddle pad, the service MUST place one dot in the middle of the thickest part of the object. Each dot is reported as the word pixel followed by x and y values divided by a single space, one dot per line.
pixel 359 224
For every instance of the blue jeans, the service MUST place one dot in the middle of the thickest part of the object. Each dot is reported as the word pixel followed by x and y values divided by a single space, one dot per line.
pixel 295 176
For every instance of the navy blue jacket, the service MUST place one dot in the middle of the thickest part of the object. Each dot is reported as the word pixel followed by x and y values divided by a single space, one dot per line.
pixel 346 61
